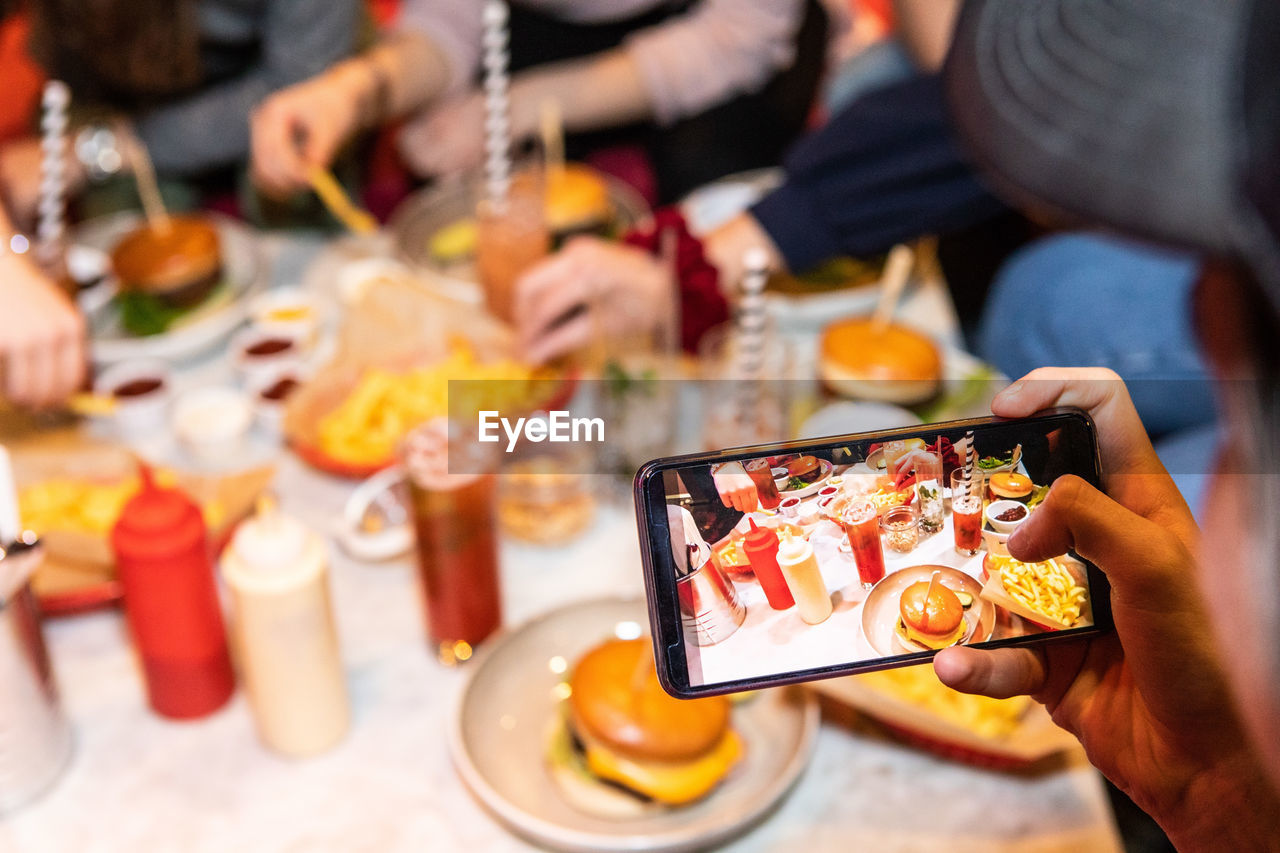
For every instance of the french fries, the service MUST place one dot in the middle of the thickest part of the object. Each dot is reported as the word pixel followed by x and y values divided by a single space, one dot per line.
pixel 982 715
pixel 1046 588
pixel 88 506
pixel 366 426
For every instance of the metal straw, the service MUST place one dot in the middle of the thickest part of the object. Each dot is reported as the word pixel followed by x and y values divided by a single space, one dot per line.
pixel 497 102
pixel 748 340
pixel 51 207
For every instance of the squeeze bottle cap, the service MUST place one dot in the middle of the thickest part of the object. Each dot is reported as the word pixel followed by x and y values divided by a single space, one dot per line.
pixel 270 541
pixel 760 537
pixel 154 509
pixel 793 548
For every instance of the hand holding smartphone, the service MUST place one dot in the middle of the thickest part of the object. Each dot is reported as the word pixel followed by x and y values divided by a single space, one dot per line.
pixel 860 552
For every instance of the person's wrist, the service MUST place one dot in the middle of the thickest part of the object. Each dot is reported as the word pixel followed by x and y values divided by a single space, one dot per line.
pixel 15 248
pixel 1228 806
pixel 361 83
pixel 726 246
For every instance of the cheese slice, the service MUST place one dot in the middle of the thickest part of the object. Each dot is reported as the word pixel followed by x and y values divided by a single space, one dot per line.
pixel 673 783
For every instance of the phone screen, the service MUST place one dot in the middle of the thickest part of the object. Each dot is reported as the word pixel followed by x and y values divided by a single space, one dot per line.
pixel 863 551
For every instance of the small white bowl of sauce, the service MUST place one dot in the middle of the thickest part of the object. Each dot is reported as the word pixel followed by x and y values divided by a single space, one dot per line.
pixel 140 391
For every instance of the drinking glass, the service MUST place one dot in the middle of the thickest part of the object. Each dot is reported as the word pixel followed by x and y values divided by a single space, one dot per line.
pixel 511 236
pixel 966 511
pixel 861 522
pixel 746 397
pixel 456 526
pixel 901 527
pixel 766 489
pixel 928 471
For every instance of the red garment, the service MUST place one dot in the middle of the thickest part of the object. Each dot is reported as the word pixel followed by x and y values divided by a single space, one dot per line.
pixel 701 303
pixel 22 80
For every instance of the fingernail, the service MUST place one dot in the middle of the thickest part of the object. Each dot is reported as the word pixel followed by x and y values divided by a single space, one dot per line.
pixel 1013 390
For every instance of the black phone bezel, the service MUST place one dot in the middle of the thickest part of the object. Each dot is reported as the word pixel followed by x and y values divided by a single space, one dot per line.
pixel 659 575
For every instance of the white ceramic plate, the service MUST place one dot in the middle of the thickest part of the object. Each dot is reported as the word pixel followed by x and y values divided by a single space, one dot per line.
pixel 500 728
pixel 880 611
pixel 811 489
pixel 846 416
pixel 712 205
pixel 200 329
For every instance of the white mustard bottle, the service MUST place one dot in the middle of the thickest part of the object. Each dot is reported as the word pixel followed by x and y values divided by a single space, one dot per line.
pixel 804 578
pixel 283 633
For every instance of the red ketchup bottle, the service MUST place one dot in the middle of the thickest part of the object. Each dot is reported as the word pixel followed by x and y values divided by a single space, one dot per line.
pixel 171 603
pixel 761 546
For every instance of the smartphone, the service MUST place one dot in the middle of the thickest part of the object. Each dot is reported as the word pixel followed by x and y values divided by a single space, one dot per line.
pixel 798 561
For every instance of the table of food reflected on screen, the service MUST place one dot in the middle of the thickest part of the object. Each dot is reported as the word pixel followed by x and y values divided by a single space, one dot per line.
pixel 792 562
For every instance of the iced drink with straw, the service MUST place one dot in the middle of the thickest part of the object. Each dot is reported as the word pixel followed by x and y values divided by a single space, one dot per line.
pixel 455 522
pixel 766 489
pixel 860 519
pixel 511 237
pixel 966 511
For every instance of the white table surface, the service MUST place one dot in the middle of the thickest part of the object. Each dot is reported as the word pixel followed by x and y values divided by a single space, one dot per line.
pixel 138 782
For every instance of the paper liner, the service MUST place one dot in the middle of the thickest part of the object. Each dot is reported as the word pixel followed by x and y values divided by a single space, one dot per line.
pixel 398 325
pixel 1036 736
pixel 993 590
pixel 78 572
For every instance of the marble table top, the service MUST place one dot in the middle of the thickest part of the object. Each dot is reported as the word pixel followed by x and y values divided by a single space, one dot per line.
pixel 139 782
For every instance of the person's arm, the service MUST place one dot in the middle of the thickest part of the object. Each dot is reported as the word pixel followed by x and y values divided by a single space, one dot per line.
pixel 305 125
pixel 720 49
pixel 1150 702
pixel 884 170
pixel 665 72
pixel 925 28
pixel 211 128
pixel 42 335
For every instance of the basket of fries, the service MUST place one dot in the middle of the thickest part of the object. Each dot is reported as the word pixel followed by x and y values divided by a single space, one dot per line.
pixel 914 706
pixel 1052 594
pixel 399 349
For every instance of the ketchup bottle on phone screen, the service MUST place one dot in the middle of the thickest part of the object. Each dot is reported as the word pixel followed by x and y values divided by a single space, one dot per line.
pixel 171 602
pixel 761 547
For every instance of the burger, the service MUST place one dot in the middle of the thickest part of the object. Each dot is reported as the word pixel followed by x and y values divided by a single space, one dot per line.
pixel 931 616
pixel 870 361
pixel 624 747
pixel 577 201
pixel 804 469
pixel 177 267
pixel 1010 485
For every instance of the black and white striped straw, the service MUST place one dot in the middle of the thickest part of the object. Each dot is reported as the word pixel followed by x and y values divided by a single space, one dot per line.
pixel 970 462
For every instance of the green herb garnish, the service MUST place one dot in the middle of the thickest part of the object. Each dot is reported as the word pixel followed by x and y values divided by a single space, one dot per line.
pixel 144 315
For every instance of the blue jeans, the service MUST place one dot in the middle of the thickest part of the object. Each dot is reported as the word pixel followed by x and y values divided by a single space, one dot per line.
pixel 1086 300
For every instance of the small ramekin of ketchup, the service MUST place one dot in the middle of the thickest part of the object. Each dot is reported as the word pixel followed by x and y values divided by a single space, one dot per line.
pixel 271 390
pixel 141 391
pixel 258 353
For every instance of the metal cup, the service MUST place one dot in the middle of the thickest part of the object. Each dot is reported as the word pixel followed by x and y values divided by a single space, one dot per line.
pixel 35 740
pixel 710 609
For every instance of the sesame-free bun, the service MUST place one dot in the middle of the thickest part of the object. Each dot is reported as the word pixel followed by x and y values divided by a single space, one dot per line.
pixel 892 363
pixel 616 699
pixel 179 266
pixel 577 199
pixel 931 618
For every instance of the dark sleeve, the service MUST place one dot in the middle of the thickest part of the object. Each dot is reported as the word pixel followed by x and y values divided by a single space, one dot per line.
pixel 300 38
pixel 885 169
